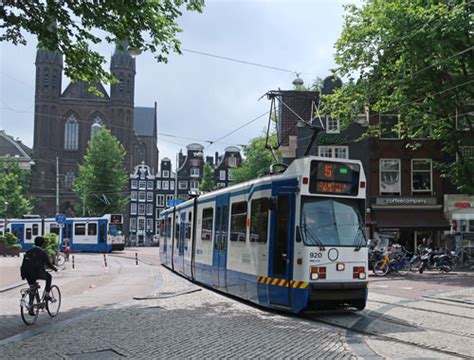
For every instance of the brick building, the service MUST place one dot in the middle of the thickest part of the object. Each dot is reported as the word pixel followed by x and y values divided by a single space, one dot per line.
pixel 64 122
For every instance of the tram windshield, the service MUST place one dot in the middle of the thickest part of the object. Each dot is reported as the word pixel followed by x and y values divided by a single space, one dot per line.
pixel 332 222
pixel 115 229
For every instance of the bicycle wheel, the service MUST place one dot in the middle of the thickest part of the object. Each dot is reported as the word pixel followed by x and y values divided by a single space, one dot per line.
pixel 403 266
pixel 53 304
pixel 60 259
pixel 380 268
pixel 29 308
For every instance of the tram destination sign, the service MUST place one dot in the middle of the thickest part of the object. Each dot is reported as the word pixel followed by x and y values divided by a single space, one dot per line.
pixel 334 178
pixel 407 201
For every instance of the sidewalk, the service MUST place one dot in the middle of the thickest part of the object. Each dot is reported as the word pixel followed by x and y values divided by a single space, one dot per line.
pixel 465 296
pixel 10 274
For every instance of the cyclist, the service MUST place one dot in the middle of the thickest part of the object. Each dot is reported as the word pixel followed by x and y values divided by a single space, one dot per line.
pixel 33 266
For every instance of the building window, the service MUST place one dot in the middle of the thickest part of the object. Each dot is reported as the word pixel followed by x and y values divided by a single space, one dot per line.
pixel 133 196
pixel 259 220
pixel 165 173
pixel 69 179
pixel 230 176
pixel 97 124
pixel 149 196
pixel 149 209
pixel 141 196
pixel 171 185
pixel 71 133
pixel 421 176
pixel 332 125
pixel 141 224
pixel 134 184
pixel 222 175
pixel 157 213
pixel 220 185
pixel 158 185
pixel 141 209
pixel 232 161
pixel 238 218
pixel 142 185
pixel 165 185
pixel 183 185
pixel 133 224
pixel 149 185
pixel 160 200
pixel 207 219
pixel 390 177
pixel 194 172
pixel 149 225
pixel 133 209
pixel 339 152
pixel 46 79
pixel 389 126
pixel 169 198
pixel 194 185
pixel 467 151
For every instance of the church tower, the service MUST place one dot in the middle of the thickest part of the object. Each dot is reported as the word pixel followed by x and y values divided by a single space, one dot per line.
pixel 49 67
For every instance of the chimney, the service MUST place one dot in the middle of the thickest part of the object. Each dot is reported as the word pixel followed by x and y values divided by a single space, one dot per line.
pixel 217 158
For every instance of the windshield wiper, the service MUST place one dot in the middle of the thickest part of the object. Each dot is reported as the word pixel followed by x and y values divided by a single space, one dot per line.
pixel 357 241
pixel 311 235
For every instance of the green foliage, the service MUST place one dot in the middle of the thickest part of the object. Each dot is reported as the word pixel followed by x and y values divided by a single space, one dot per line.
pixel 413 58
pixel 101 183
pixel 68 26
pixel 207 182
pixel 10 240
pixel 51 244
pixel 14 183
pixel 257 160
pixel 316 85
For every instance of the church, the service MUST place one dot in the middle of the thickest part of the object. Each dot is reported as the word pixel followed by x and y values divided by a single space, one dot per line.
pixel 64 122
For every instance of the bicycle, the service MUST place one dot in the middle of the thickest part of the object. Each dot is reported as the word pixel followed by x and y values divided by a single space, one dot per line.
pixel 60 258
pixel 31 303
pixel 399 264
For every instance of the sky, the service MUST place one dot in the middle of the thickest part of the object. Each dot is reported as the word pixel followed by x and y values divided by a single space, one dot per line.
pixel 202 98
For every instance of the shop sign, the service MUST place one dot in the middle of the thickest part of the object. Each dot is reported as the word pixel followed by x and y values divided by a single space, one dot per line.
pixel 406 201
pixel 463 204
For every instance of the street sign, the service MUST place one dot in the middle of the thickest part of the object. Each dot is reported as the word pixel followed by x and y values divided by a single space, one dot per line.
pixel 60 219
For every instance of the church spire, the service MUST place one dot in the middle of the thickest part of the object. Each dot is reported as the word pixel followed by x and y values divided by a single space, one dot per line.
pixel 122 66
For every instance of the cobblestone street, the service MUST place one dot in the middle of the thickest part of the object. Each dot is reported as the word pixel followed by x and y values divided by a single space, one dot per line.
pixel 179 319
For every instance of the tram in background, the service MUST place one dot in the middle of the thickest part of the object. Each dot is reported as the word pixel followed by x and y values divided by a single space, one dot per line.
pixel 292 241
pixel 86 234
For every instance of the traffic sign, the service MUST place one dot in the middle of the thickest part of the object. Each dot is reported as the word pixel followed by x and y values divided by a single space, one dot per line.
pixel 60 218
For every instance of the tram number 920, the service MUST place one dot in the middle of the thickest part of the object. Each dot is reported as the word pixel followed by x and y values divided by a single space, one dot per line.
pixel 315 255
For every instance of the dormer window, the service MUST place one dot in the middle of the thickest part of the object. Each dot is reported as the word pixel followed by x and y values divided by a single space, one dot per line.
pixel 332 125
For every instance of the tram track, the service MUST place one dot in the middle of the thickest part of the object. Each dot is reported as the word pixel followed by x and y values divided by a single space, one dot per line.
pixel 360 326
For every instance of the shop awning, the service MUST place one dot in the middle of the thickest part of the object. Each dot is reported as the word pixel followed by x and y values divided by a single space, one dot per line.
pixel 411 219
pixel 463 214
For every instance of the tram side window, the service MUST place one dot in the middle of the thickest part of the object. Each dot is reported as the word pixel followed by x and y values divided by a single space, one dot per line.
pixel 207 219
pixel 238 217
pixel 35 229
pixel 259 220
pixel 79 229
pixel 187 234
pixel 54 229
pixel 92 229
pixel 28 234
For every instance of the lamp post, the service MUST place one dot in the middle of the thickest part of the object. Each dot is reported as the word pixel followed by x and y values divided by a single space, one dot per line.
pixel 5 220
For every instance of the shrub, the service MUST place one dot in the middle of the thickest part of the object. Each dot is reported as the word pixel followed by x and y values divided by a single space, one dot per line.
pixel 52 243
pixel 10 239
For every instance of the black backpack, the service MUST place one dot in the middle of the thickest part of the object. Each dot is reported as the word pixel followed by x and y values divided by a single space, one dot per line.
pixel 31 263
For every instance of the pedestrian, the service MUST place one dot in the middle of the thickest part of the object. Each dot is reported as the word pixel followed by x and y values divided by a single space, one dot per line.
pixel 67 249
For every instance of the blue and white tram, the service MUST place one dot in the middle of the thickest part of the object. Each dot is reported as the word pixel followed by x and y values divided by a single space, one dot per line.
pixel 89 234
pixel 290 241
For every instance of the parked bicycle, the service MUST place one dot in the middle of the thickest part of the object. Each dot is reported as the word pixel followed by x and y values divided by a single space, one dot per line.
pixel 397 263
pixel 31 303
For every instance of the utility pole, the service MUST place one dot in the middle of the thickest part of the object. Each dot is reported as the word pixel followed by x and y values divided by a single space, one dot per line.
pixel 57 185
pixel 176 180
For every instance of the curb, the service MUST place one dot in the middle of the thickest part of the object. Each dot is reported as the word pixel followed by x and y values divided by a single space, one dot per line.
pixel 14 286
pixel 449 299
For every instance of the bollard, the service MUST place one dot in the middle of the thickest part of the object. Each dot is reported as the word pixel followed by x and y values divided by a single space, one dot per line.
pixel 105 260
pixel 73 263
pixel 136 259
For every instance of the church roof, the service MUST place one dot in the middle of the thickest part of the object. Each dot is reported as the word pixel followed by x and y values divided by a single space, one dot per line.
pixel 144 121
pixel 79 90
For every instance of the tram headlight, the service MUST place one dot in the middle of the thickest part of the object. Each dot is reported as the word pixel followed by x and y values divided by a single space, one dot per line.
pixel 340 266
pixel 362 275
pixel 314 276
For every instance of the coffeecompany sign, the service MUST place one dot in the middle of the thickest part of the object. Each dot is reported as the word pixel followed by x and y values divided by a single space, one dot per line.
pixel 408 201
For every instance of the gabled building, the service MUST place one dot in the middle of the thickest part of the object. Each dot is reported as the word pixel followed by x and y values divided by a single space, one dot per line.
pixel 231 159
pixel 14 149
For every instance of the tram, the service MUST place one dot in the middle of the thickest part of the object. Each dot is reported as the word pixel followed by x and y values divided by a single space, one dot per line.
pixel 84 234
pixel 290 241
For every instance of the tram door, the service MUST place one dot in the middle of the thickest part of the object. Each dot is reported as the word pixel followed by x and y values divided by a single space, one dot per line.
pixel 219 258
pixel 102 235
pixel 182 233
pixel 281 264
pixel 18 230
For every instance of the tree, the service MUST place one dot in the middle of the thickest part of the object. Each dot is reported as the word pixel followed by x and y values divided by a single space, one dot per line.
pixel 257 160
pixel 414 58
pixel 101 183
pixel 14 201
pixel 67 25
pixel 207 183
